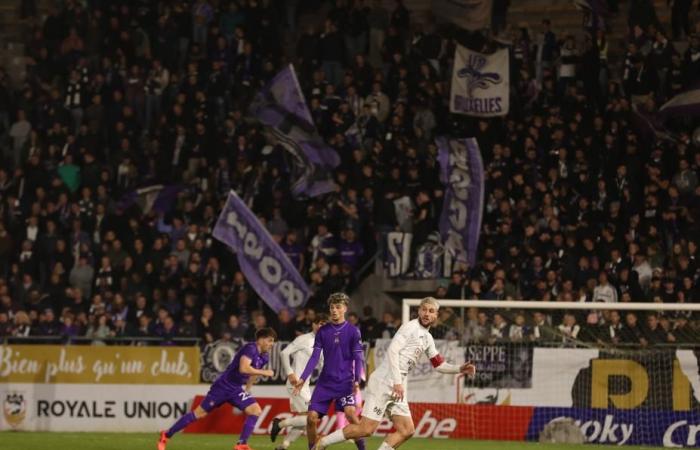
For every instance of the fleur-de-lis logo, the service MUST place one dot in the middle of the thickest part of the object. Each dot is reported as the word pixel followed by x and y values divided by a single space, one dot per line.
pixel 475 78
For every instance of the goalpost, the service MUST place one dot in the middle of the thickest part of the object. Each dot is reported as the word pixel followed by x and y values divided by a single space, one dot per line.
pixel 623 373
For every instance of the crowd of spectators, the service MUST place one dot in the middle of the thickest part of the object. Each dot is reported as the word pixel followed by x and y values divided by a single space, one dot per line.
pixel 583 202
pixel 617 328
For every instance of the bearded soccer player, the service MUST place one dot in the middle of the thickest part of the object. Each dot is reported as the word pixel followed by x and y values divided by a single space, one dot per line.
pixel 386 390
pixel 231 386
pixel 343 355
pixel 300 351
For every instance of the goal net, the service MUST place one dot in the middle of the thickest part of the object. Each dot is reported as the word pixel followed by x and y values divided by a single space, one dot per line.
pixel 620 373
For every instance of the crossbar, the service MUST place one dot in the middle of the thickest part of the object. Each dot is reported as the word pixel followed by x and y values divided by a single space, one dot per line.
pixel 537 304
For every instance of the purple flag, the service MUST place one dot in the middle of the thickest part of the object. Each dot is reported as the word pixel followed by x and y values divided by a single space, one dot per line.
pixel 684 104
pixel 281 106
pixel 263 262
pixel 599 7
pixel 462 171
pixel 156 197
pixel 650 125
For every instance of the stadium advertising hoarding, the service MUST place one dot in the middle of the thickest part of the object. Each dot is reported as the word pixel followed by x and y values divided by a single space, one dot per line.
pixel 488 422
pixel 432 420
pixel 93 407
pixel 624 427
pixel 501 365
pixel 625 397
pixel 98 364
pixel 660 380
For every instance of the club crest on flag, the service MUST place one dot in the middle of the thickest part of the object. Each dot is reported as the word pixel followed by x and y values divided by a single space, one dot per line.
pixel 473 75
pixel 480 83
pixel 14 409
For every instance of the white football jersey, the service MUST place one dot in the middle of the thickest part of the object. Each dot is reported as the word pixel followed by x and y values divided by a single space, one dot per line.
pixel 411 340
pixel 299 350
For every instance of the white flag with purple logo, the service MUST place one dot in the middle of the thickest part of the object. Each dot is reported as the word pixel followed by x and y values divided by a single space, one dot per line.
pixel 480 83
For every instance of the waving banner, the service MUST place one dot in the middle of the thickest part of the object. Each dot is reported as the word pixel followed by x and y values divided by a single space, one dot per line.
pixel 264 263
pixel 281 106
pixel 684 104
pixel 467 14
pixel 462 171
pixel 480 83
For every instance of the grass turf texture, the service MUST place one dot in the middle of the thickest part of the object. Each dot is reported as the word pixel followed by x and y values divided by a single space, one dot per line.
pixel 136 441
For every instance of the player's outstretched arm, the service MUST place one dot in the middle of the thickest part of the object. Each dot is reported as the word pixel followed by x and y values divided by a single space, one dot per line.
pixel 310 365
pixel 247 368
pixel 443 366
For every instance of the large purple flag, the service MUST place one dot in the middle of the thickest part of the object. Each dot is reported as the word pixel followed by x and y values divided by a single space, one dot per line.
pixel 462 171
pixel 281 106
pixel 263 262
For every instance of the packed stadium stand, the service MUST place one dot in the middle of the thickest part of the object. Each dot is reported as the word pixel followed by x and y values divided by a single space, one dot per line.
pixel 591 187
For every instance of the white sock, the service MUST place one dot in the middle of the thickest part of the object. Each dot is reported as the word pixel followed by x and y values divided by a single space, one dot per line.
pixel 292 436
pixel 296 421
pixel 385 446
pixel 333 438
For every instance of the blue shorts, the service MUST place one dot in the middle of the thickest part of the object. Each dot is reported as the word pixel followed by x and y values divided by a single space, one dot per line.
pixel 323 396
pixel 218 395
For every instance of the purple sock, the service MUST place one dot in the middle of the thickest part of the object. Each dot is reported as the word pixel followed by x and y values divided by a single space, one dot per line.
pixel 181 423
pixel 360 443
pixel 248 426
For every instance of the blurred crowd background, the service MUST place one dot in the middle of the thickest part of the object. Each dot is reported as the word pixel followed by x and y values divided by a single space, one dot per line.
pixel 589 195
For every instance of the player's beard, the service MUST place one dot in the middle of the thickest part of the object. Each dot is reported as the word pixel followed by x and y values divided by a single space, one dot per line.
pixel 430 323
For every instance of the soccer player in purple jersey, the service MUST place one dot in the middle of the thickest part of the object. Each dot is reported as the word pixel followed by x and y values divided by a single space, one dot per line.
pixel 343 357
pixel 230 387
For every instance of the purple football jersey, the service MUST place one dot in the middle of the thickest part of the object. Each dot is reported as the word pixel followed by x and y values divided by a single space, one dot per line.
pixel 339 344
pixel 232 376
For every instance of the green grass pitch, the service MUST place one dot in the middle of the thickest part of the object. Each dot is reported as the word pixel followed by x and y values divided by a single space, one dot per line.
pixel 138 441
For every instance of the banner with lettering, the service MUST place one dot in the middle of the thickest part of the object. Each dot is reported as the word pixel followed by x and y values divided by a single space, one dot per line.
pixel 620 427
pixel 462 172
pixel 397 253
pixel 652 379
pixel 121 408
pixel 480 83
pixel 500 365
pixel 262 260
pixel 98 364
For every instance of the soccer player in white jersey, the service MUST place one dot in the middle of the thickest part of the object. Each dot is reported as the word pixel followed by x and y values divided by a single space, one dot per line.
pixel 386 390
pixel 294 358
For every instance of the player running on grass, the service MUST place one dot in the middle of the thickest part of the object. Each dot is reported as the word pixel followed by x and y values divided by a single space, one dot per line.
pixel 386 390
pixel 300 349
pixel 230 387
pixel 343 356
